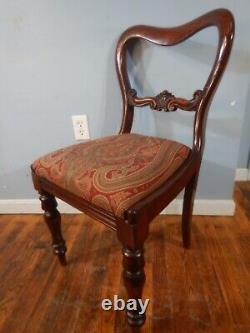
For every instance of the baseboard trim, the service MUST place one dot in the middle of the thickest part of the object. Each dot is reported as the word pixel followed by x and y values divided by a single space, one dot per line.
pixel 201 207
pixel 31 206
pixel 242 174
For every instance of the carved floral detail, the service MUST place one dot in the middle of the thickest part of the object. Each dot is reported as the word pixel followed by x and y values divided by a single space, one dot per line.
pixel 165 101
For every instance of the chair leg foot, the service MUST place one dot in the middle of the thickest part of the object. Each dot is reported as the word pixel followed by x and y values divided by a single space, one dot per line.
pixel 52 218
pixel 134 279
pixel 187 211
pixel 60 250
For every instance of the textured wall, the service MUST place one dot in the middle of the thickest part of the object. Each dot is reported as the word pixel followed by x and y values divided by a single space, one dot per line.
pixel 57 59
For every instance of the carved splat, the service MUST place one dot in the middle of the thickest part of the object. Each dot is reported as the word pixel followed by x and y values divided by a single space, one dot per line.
pixel 166 101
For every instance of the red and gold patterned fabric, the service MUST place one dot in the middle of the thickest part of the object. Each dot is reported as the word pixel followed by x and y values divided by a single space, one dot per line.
pixel 113 172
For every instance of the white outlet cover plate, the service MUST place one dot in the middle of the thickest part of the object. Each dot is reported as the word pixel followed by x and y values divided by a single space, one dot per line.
pixel 80 126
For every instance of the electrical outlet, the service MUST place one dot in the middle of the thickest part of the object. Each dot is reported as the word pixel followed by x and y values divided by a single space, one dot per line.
pixel 80 126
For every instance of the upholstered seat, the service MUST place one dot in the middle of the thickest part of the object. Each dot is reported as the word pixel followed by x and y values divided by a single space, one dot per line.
pixel 113 172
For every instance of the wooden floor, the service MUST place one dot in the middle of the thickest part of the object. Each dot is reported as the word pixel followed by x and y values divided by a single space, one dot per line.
pixel 205 289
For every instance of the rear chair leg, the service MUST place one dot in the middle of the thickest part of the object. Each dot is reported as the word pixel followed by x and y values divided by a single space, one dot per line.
pixel 52 218
pixel 187 211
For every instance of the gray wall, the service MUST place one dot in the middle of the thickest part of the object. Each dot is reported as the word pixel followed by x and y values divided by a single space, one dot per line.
pixel 244 151
pixel 57 59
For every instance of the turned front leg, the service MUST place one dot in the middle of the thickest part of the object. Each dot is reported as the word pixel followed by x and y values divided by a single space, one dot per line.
pixel 52 218
pixel 134 279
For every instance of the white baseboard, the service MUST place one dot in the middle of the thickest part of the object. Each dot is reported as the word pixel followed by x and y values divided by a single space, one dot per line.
pixel 31 206
pixel 201 207
pixel 242 174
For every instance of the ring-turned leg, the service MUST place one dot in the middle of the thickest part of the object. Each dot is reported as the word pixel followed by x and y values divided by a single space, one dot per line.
pixel 134 279
pixel 52 218
pixel 187 211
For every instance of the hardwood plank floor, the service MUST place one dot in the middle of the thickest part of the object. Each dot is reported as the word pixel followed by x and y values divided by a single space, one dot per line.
pixel 204 289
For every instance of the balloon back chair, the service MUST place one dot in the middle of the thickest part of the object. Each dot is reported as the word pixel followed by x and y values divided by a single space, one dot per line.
pixel 126 180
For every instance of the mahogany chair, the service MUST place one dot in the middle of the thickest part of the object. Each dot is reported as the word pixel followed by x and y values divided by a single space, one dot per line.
pixel 125 180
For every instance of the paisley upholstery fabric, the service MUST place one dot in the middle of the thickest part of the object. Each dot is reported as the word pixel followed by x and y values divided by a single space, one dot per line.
pixel 113 172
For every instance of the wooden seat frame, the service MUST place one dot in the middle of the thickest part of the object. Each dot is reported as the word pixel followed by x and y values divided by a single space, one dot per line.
pixel 133 229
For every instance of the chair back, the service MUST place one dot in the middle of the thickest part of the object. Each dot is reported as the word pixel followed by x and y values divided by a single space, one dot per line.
pixel 166 101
